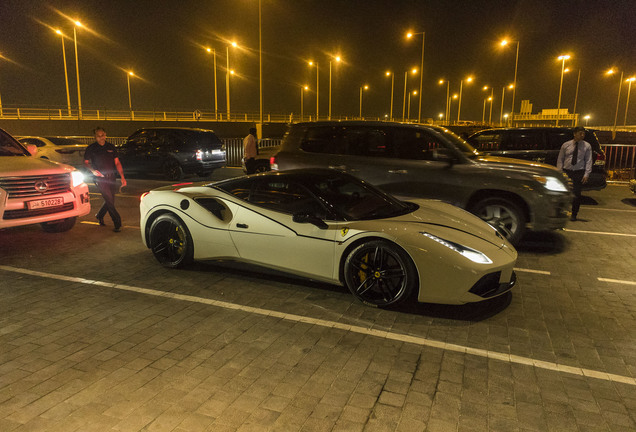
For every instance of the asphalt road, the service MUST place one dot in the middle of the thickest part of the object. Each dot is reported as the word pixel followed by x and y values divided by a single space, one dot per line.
pixel 95 335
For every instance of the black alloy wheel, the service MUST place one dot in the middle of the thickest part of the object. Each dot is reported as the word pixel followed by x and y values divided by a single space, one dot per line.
pixel 171 242
pixel 380 274
pixel 172 170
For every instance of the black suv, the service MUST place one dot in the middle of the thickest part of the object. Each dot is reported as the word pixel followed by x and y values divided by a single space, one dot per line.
pixel 539 144
pixel 172 152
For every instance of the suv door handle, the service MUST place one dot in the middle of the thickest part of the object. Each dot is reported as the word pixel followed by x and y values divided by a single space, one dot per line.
pixel 400 171
pixel 338 167
pixel 242 225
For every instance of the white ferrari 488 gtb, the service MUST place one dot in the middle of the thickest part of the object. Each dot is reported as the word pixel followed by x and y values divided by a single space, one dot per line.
pixel 329 226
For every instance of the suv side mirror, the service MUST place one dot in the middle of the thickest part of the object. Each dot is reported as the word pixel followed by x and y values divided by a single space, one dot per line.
pixel 307 218
pixel 445 155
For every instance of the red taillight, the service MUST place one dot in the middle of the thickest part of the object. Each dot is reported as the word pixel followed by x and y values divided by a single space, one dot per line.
pixel 599 158
pixel 273 165
pixel 199 155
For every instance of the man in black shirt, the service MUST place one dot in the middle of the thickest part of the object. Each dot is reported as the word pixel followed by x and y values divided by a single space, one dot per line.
pixel 102 160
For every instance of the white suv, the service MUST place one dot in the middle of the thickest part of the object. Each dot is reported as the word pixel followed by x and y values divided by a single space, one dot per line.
pixel 34 190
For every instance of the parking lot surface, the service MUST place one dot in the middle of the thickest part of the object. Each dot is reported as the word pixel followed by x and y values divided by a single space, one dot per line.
pixel 96 335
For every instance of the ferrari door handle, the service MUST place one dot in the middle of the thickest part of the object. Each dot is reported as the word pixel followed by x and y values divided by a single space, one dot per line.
pixel 241 225
pixel 338 167
pixel 400 171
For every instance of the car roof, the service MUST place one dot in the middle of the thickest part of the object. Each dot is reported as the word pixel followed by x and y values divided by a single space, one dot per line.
pixel 372 123
pixel 168 128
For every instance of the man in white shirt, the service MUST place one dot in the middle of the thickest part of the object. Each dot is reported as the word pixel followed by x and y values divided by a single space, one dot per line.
pixel 575 159
pixel 250 150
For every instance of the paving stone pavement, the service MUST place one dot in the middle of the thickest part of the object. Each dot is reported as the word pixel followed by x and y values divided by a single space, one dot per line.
pixel 231 348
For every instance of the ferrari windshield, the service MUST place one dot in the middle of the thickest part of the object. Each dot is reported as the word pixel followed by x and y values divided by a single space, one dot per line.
pixel 10 147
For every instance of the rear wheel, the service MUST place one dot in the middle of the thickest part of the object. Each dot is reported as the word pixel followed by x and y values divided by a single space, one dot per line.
pixel 171 242
pixel 172 170
pixel 504 215
pixel 380 274
pixel 59 225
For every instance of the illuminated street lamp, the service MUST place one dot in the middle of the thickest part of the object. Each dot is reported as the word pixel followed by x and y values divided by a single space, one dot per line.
pixel 447 113
pixel 450 105
pixel 563 58
pixel 68 95
pixel 503 94
pixel 514 83
pixel 365 87
pixel 406 76
pixel 392 75
pixel 128 75
pixel 629 90
pixel 587 119
pixel 79 94
pixel 410 35
pixel 618 99
pixel 337 59
pixel 461 85
pixel 302 103
pixel 311 63
pixel 414 93
pixel 490 99
pixel 228 72
pixel 216 101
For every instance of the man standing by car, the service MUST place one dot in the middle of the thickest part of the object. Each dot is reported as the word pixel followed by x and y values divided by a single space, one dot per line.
pixel 575 159
pixel 250 150
pixel 102 160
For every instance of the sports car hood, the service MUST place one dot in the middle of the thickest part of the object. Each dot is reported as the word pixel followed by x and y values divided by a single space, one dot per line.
pixel 438 213
pixel 518 165
pixel 28 165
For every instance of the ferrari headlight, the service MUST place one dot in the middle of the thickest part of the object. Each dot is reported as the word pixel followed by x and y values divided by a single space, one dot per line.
pixel 551 183
pixel 472 254
pixel 77 178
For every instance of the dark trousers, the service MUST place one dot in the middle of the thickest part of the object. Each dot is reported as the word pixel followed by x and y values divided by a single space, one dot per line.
pixel 577 184
pixel 107 187
pixel 250 165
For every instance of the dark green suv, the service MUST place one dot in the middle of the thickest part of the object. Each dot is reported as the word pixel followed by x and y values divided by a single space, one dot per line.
pixel 431 162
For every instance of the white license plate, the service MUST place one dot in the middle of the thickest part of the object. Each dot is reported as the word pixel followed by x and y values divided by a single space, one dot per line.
pixel 43 203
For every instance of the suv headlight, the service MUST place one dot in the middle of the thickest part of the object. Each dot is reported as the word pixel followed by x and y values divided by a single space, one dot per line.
pixel 77 178
pixel 552 183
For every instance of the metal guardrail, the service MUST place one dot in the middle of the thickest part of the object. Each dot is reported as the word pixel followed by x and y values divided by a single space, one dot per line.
pixel 620 161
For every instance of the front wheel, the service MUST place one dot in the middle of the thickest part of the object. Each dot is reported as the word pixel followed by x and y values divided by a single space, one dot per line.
pixel 380 274
pixel 171 242
pixel 505 216
pixel 59 225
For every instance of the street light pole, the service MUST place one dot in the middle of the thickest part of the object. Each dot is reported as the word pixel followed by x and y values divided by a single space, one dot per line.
pixel 392 84
pixel 216 102
pixel 406 77
pixel 260 62
pixel 302 104
pixel 492 98
pixel 563 58
pixel 311 63
pixel 503 94
pixel 227 78
pixel 79 93
pixel 337 58
pixel 461 85
pixel 576 97
pixel 514 83
pixel 629 90
pixel 366 87
pixel 128 75
pixel 419 112
pixel 68 95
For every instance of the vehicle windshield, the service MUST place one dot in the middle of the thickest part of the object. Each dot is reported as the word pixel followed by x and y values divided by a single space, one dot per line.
pixel 354 200
pixel 65 141
pixel 468 150
pixel 10 147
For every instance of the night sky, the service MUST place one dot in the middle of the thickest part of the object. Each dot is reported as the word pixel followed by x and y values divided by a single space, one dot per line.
pixel 163 42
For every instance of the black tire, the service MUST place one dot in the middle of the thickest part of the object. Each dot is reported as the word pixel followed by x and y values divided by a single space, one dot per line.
pixel 171 242
pixel 380 274
pixel 59 225
pixel 261 167
pixel 172 170
pixel 504 215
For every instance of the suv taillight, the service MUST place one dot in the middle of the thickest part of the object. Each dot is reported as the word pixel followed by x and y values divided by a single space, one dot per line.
pixel 199 155
pixel 599 159
pixel 273 165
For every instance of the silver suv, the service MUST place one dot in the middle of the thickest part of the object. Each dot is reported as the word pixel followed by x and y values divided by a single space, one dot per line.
pixel 34 190
pixel 432 162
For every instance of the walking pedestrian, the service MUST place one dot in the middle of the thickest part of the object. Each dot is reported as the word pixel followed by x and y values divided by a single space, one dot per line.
pixel 102 160
pixel 575 159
